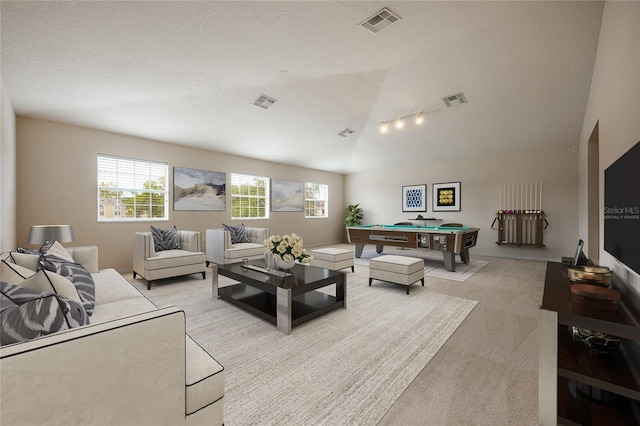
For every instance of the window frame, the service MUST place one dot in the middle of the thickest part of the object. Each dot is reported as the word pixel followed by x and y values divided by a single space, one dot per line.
pixel 133 170
pixel 239 179
pixel 325 200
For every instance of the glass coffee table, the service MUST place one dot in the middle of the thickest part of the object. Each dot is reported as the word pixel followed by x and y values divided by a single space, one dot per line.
pixel 286 301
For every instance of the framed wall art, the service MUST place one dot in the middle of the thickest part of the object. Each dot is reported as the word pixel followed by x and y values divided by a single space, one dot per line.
pixel 199 190
pixel 446 197
pixel 414 198
pixel 287 196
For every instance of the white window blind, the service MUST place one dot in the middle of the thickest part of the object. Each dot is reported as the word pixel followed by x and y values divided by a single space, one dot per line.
pixel 132 190
pixel 316 200
pixel 249 196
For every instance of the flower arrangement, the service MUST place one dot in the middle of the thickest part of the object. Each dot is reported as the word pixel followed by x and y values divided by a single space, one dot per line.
pixel 288 248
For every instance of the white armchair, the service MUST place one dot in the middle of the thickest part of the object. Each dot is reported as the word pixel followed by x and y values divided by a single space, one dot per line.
pixel 152 265
pixel 220 250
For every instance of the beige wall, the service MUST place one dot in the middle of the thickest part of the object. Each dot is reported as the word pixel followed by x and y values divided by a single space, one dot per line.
pixel 380 196
pixel 57 184
pixel 7 172
pixel 614 103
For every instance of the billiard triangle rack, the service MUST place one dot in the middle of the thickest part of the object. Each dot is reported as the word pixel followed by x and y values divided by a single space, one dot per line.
pixel 521 220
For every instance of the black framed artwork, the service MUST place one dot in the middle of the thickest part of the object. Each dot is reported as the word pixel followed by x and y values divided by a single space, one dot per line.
pixel 446 197
pixel 414 198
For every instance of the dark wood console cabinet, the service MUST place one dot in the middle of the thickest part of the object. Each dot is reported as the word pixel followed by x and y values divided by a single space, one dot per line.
pixel 564 362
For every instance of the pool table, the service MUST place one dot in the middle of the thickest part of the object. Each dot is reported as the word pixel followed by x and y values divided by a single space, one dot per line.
pixel 449 240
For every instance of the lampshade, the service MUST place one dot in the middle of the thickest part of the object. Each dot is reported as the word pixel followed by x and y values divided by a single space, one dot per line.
pixel 38 234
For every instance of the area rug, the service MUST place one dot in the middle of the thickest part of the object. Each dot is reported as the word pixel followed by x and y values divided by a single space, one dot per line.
pixel 347 367
pixel 433 263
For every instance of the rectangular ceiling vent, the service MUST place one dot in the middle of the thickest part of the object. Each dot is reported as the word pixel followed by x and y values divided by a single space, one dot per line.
pixel 380 20
pixel 456 99
pixel 346 132
pixel 264 101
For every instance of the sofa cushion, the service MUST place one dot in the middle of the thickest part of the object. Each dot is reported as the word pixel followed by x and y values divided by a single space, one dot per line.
pixel 121 309
pixel 173 258
pixel 242 250
pixel 204 377
pixel 165 239
pixel 26 314
pixel 238 233
pixel 112 287
pixel 76 273
pixel 46 281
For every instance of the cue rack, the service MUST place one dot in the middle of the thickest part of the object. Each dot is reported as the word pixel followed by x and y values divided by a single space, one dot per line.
pixel 521 220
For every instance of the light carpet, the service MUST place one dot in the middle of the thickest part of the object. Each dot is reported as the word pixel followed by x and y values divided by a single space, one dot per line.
pixel 347 367
pixel 433 263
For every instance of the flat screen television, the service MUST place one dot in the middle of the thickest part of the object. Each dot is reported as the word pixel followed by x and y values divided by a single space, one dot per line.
pixel 622 209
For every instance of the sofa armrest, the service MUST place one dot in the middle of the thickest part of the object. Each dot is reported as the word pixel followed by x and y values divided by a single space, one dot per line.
pixel 217 241
pixel 87 375
pixel 143 249
pixel 189 240
pixel 87 256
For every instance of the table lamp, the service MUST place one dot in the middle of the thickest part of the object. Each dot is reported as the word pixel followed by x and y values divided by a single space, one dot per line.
pixel 38 234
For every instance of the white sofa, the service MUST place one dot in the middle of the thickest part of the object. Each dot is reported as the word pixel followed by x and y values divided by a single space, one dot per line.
pixel 152 265
pixel 221 251
pixel 133 365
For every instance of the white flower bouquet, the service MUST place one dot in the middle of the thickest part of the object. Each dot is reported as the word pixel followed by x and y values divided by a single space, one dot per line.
pixel 288 247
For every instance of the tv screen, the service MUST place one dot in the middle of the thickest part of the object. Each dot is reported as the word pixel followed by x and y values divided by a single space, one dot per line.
pixel 622 209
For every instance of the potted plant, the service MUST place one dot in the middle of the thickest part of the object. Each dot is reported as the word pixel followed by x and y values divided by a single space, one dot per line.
pixel 353 215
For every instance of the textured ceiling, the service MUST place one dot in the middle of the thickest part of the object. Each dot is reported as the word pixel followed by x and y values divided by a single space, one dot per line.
pixel 187 73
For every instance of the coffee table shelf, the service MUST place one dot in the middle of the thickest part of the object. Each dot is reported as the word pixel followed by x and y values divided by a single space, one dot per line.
pixel 304 307
pixel 284 301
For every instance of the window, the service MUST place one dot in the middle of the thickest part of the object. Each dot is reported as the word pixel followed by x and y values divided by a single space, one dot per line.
pixel 249 197
pixel 130 190
pixel 316 200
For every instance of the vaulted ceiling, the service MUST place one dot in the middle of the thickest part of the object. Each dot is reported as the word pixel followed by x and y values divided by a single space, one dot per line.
pixel 188 73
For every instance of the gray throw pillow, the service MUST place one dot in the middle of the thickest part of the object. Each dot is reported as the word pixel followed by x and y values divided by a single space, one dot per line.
pixel 165 239
pixel 77 274
pixel 26 313
pixel 238 233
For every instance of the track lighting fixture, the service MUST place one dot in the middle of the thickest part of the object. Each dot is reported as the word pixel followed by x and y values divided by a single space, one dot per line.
pixel 400 121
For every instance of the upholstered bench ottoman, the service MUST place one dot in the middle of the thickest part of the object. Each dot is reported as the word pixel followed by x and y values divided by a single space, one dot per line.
pixel 401 270
pixel 332 258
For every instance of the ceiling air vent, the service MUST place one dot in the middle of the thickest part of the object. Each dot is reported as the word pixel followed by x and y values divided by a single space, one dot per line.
pixel 346 132
pixel 264 101
pixel 456 99
pixel 380 20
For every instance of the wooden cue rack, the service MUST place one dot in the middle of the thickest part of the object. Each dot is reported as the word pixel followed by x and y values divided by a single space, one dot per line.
pixel 520 228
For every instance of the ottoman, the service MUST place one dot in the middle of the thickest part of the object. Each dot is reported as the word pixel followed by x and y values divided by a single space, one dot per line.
pixel 332 258
pixel 401 270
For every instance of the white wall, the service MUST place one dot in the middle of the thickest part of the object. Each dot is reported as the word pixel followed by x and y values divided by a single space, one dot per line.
pixel 380 195
pixel 57 184
pixel 614 103
pixel 7 172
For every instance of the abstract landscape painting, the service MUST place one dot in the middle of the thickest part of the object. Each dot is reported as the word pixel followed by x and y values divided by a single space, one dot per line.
pixel 195 189
pixel 287 196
